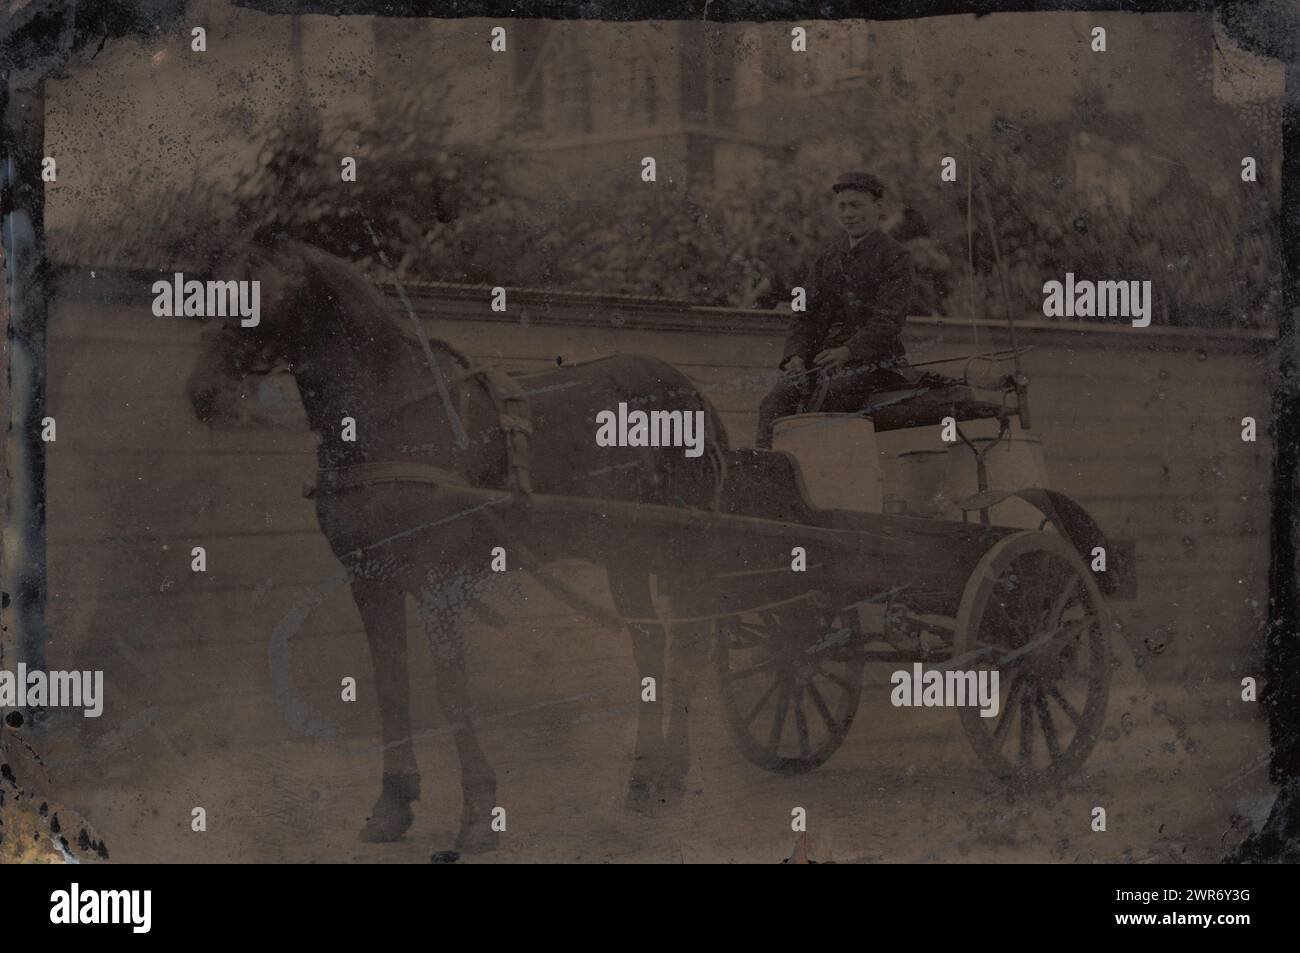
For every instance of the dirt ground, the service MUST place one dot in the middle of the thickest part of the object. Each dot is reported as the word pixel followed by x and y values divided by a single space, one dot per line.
pixel 1181 776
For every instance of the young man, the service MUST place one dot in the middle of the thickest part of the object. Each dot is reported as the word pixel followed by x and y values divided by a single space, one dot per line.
pixel 859 289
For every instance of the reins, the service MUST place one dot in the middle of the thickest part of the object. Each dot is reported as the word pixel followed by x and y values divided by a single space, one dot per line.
pixel 515 420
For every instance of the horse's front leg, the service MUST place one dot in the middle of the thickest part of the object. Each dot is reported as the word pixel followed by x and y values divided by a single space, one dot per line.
pixel 630 587
pixel 648 645
pixel 383 612
pixel 691 649
pixel 442 606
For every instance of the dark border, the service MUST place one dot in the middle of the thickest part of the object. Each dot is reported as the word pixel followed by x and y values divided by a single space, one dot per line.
pixel 41 36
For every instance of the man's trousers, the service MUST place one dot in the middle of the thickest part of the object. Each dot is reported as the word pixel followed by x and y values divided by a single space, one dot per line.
pixel 849 389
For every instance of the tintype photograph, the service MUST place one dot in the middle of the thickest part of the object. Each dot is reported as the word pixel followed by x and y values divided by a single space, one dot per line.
pixel 474 439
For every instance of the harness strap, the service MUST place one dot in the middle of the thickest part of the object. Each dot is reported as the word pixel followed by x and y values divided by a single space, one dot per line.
pixel 515 419
pixel 331 479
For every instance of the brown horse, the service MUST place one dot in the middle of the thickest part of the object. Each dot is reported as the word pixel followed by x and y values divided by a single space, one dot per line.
pixel 411 402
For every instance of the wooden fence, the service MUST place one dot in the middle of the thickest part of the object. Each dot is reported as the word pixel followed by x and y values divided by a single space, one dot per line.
pixel 1142 426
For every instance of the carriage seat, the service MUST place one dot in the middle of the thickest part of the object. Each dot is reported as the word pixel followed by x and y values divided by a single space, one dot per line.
pixel 923 398
pixel 900 408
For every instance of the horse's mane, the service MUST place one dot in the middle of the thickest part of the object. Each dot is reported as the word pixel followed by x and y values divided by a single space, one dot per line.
pixel 352 291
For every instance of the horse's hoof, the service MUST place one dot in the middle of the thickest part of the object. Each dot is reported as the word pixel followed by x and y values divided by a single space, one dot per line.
pixel 476 834
pixel 476 839
pixel 658 807
pixel 642 806
pixel 387 823
pixel 640 793
pixel 392 816
pixel 667 806
pixel 670 795
pixel 444 857
pixel 654 803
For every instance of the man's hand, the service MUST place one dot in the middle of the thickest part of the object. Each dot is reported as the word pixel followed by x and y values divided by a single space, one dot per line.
pixel 831 358
pixel 793 368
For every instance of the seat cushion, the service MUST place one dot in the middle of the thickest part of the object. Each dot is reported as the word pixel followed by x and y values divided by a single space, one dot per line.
pixel 910 407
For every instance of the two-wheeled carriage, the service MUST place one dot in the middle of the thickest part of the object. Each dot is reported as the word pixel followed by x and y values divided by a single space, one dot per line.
pixel 946 549
pixel 950 552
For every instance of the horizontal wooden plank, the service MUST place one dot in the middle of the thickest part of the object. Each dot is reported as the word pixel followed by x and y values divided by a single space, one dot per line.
pixel 88 316
pixel 272 576
pixel 130 420
pixel 1103 355
pixel 121 286
pixel 1211 441
pixel 212 492
pixel 162 565
pixel 1228 586
pixel 99 427
pixel 1164 533
pixel 1054 367
pixel 94 609
pixel 1118 386
pixel 515 661
pixel 197 725
pixel 1229 476
pixel 108 423
pixel 240 674
pixel 172 494
pixel 1226 517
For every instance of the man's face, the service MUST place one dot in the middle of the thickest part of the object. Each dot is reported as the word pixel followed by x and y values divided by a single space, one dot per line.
pixel 859 212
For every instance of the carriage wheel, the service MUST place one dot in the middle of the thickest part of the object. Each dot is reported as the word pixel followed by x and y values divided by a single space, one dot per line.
pixel 1033 612
pixel 791 679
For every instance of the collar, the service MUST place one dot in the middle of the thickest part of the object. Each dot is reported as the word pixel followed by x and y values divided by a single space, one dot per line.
pixel 854 243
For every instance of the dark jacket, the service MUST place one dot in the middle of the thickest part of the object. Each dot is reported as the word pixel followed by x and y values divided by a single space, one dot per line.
pixel 856 297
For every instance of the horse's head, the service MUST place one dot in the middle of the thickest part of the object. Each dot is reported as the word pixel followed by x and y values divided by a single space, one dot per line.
pixel 232 353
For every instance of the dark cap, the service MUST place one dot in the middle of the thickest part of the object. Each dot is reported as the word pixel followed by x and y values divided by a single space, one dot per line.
pixel 862 181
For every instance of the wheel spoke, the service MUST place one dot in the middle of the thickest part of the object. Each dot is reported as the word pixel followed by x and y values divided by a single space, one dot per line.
pixel 1026 734
pixel 801 723
pixel 838 653
pixel 1036 590
pixel 1064 633
pixel 775 667
pixel 1061 700
pixel 1062 601
pixel 840 680
pixel 998 623
pixel 1062 579
pixel 778 722
pixel 1042 642
pixel 1019 604
pixel 751 671
pixel 1000 732
pixel 820 704
pixel 776 683
pixel 1032 604
pixel 1004 622
pixel 1049 730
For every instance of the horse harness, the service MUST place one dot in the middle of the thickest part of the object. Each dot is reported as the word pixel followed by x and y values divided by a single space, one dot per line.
pixel 515 419
pixel 514 416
